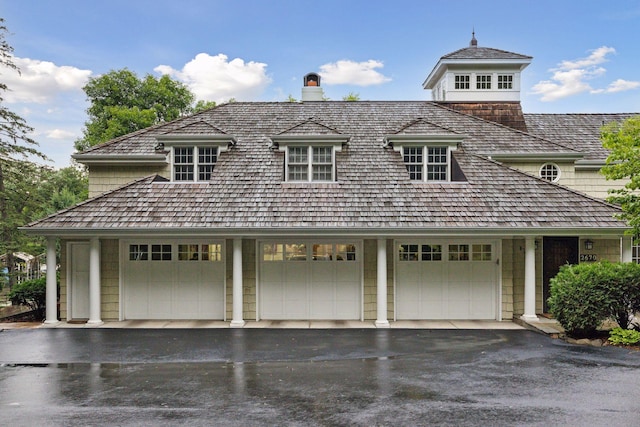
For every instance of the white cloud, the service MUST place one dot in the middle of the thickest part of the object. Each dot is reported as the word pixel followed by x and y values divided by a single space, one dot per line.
pixel 215 78
pixel 572 76
pixel 598 56
pixel 40 82
pixel 354 73
pixel 59 134
pixel 621 85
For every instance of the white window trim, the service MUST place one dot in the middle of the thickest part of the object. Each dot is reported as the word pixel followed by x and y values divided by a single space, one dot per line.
pixel 557 178
pixel 310 164
pixel 451 142
pixel 196 164
pixel 221 142
pixel 512 82
pixel 282 142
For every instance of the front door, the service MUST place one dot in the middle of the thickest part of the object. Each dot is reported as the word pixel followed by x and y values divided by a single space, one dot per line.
pixel 79 282
pixel 557 251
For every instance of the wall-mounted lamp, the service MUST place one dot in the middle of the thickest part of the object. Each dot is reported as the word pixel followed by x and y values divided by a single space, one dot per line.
pixel 588 245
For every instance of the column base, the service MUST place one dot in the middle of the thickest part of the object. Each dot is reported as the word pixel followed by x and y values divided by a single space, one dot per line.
pixel 95 322
pixel 52 322
pixel 529 318
pixel 237 324
pixel 382 323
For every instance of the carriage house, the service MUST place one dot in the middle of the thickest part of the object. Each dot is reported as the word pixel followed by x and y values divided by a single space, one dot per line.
pixel 457 208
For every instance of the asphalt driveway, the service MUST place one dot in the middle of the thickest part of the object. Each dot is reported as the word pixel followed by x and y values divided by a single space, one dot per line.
pixel 311 377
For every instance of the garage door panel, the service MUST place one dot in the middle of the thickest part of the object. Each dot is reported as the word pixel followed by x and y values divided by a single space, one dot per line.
pixel 443 287
pixel 172 288
pixel 313 286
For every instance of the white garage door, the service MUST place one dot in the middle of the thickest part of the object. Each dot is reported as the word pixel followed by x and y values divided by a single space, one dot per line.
pixel 173 280
pixel 303 281
pixel 446 281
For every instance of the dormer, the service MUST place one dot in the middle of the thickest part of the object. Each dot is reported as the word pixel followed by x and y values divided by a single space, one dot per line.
pixel 477 74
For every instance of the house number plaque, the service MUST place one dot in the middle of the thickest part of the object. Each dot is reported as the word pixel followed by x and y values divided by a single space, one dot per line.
pixel 588 257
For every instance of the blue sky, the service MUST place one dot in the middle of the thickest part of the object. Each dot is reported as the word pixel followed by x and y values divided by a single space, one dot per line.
pixel 585 53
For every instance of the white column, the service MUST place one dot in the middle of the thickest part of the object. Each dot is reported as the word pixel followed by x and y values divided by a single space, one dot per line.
pixel 381 321
pixel 51 316
pixel 237 321
pixel 529 280
pixel 626 252
pixel 94 282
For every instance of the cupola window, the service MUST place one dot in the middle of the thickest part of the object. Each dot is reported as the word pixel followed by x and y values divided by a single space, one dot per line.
pixel 483 81
pixel 462 81
pixel 505 81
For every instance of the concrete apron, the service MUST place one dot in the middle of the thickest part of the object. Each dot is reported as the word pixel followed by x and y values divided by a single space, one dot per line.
pixel 291 324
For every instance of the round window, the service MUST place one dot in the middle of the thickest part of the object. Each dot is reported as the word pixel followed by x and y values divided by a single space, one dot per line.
pixel 550 172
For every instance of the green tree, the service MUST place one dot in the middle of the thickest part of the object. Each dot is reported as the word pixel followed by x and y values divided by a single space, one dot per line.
pixel 202 105
pixel 351 97
pixel 623 142
pixel 122 103
pixel 16 147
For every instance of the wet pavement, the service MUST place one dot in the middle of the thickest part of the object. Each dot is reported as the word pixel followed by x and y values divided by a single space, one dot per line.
pixel 81 377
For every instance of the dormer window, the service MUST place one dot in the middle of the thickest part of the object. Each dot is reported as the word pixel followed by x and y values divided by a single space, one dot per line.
pixel 310 164
pixel 434 166
pixel 194 163
pixel 427 157
pixel 194 157
pixel 309 158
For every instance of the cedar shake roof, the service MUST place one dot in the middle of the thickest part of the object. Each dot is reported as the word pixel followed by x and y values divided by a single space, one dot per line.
pixel 581 132
pixel 476 52
pixel 257 121
pixel 372 193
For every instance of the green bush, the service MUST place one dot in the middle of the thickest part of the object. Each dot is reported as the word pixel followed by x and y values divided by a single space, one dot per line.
pixel 619 336
pixel 585 295
pixel 32 293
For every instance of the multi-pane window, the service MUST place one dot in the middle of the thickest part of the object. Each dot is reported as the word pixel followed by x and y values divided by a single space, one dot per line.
pixel 505 81
pixel 409 252
pixel 188 160
pixel 308 163
pixel 461 81
pixel 183 164
pixel 483 81
pixel 138 252
pixel 550 172
pixel 458 252
pixel 431 252
pixel 207 157
pixel 308 252
pixel 635 252
pixel 481 252
pixel 435 252
pixel 436 163
pixel 160 252
pixel 333 252
pixel 199 252
pixel 413 160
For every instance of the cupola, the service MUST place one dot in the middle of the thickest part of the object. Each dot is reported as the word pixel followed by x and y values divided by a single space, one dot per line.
pixel 477 74
pixel 311 91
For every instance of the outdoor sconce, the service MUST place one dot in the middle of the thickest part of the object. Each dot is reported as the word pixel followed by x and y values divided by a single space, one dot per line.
pixel 588 245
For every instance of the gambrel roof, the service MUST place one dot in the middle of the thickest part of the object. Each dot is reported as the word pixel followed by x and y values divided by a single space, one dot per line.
pixel 247 194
